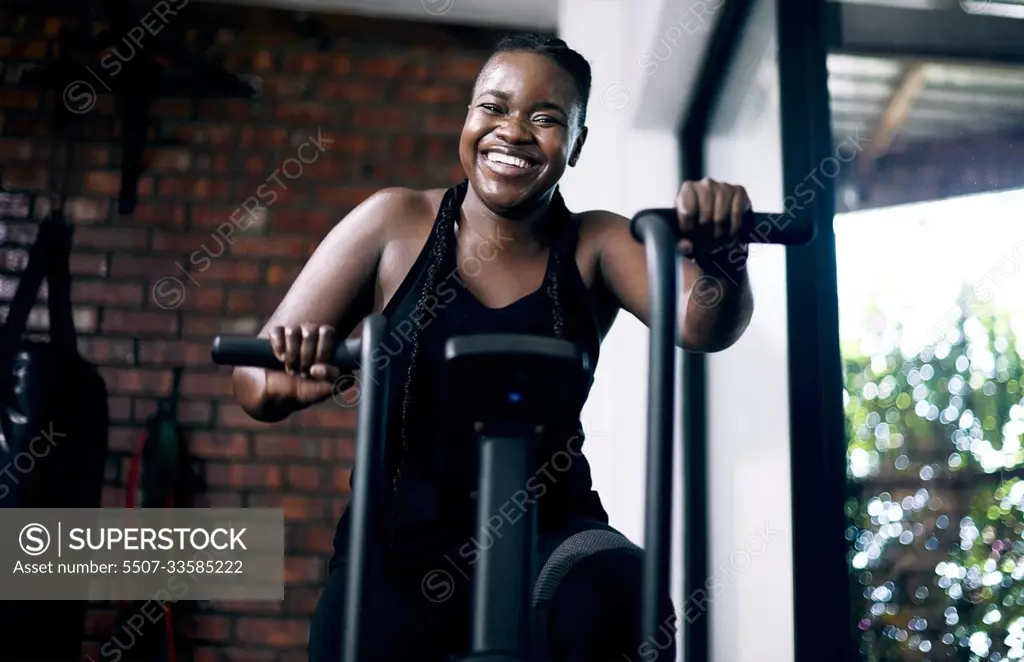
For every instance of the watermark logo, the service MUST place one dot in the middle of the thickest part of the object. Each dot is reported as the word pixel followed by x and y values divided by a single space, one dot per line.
pixel 34 539
pixel 616 97
pixel 438 7
pixel 79 97
pixel 707 292
pixel 438 585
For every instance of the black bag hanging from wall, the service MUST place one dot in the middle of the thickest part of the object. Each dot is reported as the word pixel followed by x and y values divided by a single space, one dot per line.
pixel 54 423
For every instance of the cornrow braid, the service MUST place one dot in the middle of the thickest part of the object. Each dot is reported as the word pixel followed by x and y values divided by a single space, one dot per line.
pixel 559 218
pixel 443 229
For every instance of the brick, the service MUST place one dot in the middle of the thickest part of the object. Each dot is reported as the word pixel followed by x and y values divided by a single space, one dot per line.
pixel 306 537
pixel 210 135
pixel 212 446
pixel 212 628
pixel 196 325
pixel 201 189
pixel 300 112
pixel 163 352
pixel 301 569
pixel 137 380
pixel 210 218
pixel 172 160
pixel 238 475
pixel 276 246
pixel 256 164
pixel 103 183
pixel 301 600
pixel 218 500
pixel 119 409
pixel 94 156
pixel 442 124
pixel 231 415
pixel 307 478
pixel 206 385
pixel 432 94
pixel 106 292
pixel 176 108
pixel 246 606
pixel 461 69
pixel 107 352
pixel 130 266
pixel 112 497
pixel 14 99
pixel 18 233
pixel 279 274
pixel 344 196
pixel 122 439
pixel 137 323
pixel 12 149
pixel 273 446
pixel 195 413
pixel 224 270
pixel 384 118
pixel 162 215
pixel 108 238
pixel 263 138
pixel 351 91
pixel 86 210
pixel 297 508
pixel 244 655
pixel 85 318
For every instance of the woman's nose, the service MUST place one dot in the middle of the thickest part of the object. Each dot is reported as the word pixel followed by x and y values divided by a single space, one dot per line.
pixel 514 129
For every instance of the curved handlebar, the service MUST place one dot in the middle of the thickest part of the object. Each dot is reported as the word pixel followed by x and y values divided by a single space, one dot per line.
pixel 258 353
pixel 787 229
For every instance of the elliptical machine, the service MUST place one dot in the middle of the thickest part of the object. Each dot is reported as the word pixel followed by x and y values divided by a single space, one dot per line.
pixel 511 387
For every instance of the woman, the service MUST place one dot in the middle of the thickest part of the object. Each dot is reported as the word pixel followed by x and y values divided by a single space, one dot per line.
pixel 536 268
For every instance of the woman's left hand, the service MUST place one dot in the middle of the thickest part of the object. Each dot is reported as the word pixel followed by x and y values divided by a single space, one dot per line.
pixel 710 217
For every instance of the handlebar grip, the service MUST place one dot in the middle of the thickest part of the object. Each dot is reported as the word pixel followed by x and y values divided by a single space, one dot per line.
pixel 258 353
pixel 786 229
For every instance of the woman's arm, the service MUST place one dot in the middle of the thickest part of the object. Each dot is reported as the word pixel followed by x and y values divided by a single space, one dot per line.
pixel 718 305
pixel 330 291
pixel 714 286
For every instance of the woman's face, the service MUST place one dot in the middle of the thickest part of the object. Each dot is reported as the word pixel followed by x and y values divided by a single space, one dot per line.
pixel 520 131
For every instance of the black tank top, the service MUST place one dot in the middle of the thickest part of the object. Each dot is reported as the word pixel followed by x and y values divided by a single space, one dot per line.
pixel 430 511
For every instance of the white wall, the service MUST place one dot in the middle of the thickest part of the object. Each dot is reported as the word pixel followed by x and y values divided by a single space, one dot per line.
pixel 748 388
pixel 646 55
pixel 625 168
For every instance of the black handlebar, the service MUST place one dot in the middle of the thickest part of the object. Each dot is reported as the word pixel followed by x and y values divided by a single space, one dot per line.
pixel 258 353
pixel 787 229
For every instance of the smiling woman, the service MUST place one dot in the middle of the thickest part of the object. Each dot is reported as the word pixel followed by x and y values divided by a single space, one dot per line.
pixel 418 258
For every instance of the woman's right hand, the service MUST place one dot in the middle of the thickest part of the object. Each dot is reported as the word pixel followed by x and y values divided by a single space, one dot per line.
pixel 306 351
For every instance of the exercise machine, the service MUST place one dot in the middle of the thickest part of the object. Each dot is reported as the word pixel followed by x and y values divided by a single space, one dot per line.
pixel 509 389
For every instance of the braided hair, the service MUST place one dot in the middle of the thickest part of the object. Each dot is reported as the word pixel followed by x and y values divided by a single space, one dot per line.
pixel 559 219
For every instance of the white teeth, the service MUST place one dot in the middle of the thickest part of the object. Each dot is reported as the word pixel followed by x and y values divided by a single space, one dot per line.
pixel 498 157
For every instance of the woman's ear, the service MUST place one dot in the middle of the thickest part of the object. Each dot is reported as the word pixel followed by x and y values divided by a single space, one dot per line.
pixel 577 148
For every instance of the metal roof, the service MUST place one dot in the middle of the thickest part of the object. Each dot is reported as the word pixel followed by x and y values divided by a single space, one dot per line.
pixel 954 99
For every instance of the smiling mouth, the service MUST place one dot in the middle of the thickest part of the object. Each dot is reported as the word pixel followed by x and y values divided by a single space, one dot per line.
pixel 508 165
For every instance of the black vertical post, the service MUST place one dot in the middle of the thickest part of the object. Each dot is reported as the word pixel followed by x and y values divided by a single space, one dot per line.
pixel 696 531
pixel 367 469
pixel 659 239
pixel 821 590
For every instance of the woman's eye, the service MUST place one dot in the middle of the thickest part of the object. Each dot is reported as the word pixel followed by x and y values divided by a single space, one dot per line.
pixel 544 119
pixel 490 107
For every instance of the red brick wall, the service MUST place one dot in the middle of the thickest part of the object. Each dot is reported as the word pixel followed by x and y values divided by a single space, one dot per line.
pixel 390 97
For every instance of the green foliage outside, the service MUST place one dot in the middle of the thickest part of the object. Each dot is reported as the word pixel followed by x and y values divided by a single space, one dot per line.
pixel 936 496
